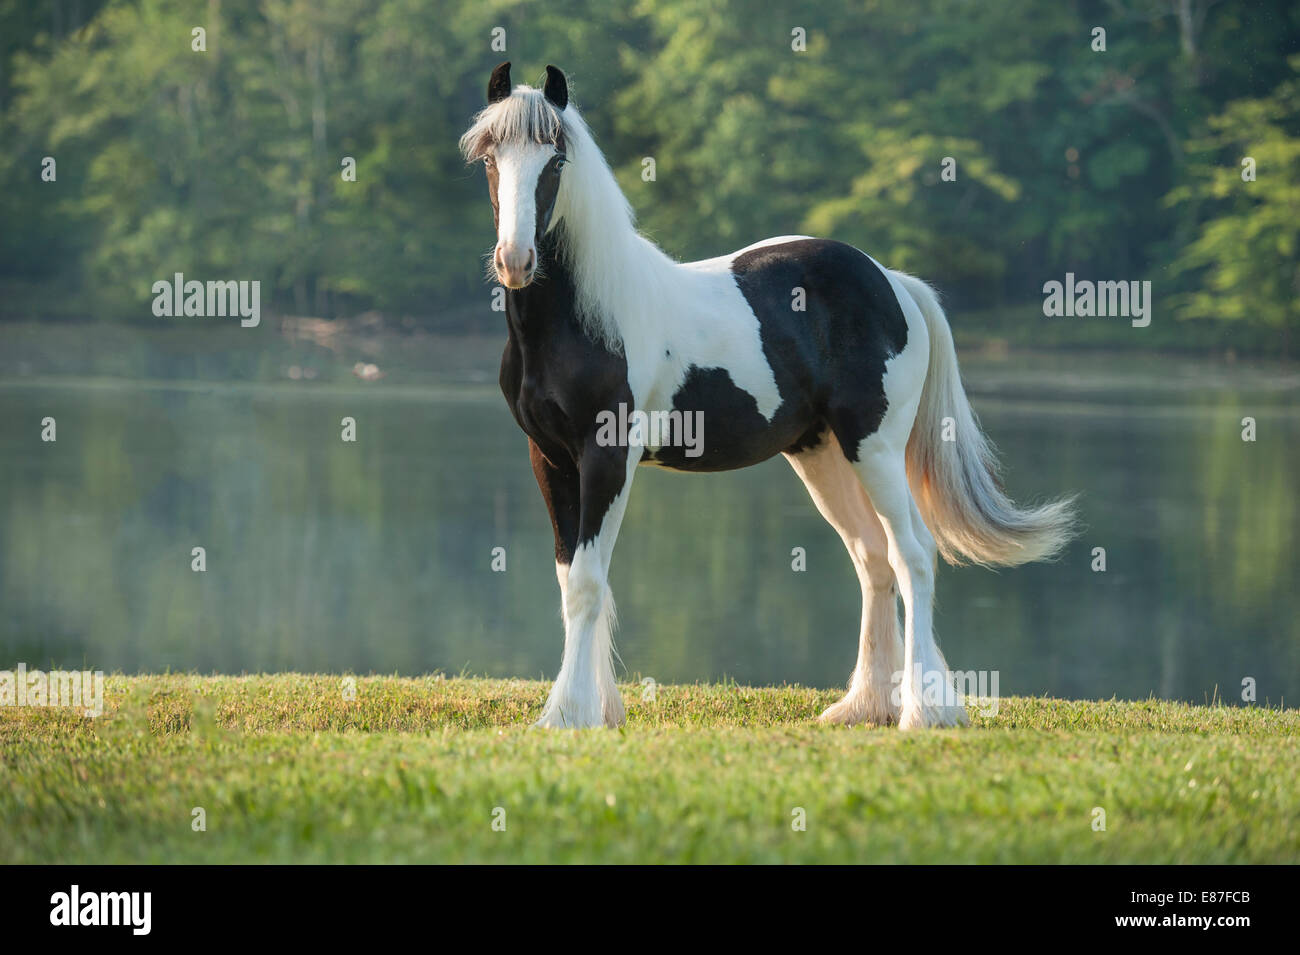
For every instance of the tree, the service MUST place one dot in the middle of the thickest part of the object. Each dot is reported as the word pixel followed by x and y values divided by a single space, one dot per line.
pixel 1244 263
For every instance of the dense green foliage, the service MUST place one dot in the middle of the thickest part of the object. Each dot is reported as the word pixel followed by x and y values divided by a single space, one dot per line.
pixel 287 768
pixel 1120 164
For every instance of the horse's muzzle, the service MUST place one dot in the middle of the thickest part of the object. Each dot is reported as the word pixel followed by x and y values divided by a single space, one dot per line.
pixel 515 266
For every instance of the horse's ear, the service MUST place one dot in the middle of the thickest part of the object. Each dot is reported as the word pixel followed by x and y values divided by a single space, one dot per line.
pixel 499 84
pixel 557 87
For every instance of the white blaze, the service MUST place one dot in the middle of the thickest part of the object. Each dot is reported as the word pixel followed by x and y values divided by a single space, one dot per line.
pixel 518 169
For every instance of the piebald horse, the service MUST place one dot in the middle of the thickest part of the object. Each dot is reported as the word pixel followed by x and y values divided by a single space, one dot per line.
pixel 796 346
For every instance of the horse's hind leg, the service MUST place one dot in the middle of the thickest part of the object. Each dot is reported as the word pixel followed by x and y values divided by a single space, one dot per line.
pixel 841 499
pixel 928 695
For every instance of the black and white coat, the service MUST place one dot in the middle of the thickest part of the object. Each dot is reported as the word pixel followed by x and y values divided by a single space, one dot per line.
pixel 796 346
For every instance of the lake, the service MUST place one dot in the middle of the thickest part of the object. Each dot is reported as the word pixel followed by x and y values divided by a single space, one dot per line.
pixel 376 556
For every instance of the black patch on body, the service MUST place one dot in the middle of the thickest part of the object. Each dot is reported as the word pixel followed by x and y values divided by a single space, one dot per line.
pixel 556 381
pixel 828 361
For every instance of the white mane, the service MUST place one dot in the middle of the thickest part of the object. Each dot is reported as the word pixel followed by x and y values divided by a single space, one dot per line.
pixel 622 278
pixel 523 116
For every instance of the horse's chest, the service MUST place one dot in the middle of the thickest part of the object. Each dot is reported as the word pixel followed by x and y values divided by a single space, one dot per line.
pixel 556 393
pixel 540 413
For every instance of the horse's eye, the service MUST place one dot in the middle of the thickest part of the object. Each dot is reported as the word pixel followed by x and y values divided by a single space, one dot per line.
pixel 489 161
pixel 561 163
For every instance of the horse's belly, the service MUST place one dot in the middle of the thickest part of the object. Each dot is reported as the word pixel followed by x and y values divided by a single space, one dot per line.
pixel 714 425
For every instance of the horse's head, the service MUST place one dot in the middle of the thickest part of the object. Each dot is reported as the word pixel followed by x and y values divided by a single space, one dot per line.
pixel 519 137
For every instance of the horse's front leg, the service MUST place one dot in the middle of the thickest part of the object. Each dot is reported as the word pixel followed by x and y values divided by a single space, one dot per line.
pixel 585 693
pixel 557 476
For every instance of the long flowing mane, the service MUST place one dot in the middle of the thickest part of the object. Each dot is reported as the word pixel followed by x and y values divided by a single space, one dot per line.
pixel 620 276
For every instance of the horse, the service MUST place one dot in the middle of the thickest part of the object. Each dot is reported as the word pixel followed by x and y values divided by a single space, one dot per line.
pixel 798 346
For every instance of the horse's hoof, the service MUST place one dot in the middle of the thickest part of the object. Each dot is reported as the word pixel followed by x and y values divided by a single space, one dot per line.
pixel 558 716
pixel 849 712
pixel 920 717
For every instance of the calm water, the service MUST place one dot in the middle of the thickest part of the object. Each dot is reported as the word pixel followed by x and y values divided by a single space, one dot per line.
pixel 376 556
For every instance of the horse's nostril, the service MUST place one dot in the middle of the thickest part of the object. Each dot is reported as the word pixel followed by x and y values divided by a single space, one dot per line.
pixel 529 266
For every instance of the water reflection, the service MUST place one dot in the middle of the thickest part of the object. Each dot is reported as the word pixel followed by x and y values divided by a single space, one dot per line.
pixel 376 556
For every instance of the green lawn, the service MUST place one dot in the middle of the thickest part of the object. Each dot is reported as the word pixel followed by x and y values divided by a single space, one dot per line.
pixel 289 770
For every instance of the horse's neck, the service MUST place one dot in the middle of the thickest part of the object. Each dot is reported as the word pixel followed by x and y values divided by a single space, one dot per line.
pixel 631 279
pixel 546 307
pixel 549 307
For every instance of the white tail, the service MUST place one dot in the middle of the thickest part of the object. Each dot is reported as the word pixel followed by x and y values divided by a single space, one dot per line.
pixel 955 482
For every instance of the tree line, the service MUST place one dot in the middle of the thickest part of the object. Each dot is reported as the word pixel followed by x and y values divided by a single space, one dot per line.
pixel 991 148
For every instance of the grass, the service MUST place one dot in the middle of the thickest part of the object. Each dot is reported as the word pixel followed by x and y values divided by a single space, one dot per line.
pixel 287 769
